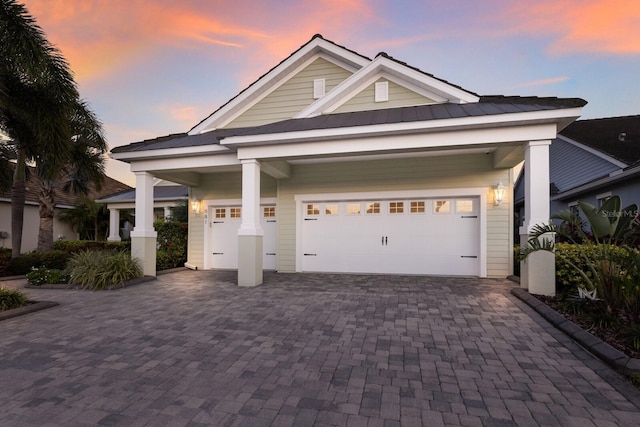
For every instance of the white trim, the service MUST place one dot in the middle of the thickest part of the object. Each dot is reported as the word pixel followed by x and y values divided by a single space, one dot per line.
pixel 605 195
pixel 171 152
pixel 317 47
pixel 479 192
pixel 593 151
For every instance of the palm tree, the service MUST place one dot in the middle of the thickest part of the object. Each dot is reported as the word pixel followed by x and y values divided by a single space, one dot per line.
pixel 37 95
pixel 84 166
pixel 88 218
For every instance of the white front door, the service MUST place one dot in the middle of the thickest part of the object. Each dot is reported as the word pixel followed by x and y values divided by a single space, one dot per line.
pixel 221 230
pixel 403 236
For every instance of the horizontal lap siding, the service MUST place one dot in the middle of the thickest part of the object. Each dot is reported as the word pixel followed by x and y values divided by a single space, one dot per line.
pixel 399 96
pixel 293 96
pixel 461 171
pixel 216 187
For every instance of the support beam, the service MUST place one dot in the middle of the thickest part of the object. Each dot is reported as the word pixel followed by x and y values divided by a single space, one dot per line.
pixel 143 236
pixel 114 224
pixel 537 272
pixel 250 234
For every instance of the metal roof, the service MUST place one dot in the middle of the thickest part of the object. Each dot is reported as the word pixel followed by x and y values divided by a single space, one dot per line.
pixel 488 105
pixel 160 192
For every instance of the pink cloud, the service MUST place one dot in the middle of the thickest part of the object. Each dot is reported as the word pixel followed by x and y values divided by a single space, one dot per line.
pixel 545 82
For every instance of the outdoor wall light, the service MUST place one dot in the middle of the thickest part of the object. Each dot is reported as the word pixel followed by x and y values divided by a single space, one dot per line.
pixel 195 205
pixel 498 192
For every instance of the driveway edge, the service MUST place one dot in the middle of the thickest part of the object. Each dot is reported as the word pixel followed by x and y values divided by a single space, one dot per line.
pixel 604 351
pixel 32 307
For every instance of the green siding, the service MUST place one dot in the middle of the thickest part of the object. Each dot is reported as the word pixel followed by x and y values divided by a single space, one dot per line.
pixel 399 96
pixel 292 96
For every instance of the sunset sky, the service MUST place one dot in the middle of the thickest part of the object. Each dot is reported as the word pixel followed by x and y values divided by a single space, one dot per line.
pixel 154 67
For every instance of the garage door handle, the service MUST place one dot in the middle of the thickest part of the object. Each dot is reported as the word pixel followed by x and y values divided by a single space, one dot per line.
pixel 469 216
pixel 311 219
pixel 218 222
pixel 270 253
pixel 310 254
pixel 271 220
pixel 384 240
pixel 468 256
pixel 217 253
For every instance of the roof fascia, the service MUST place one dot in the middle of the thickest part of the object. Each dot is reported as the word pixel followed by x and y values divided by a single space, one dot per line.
pixel 399 73
pixel 131 156
pixel 498 120
pixel 317 47
pixel 593 151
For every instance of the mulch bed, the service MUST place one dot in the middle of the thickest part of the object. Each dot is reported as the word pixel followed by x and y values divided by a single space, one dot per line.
pixel 610 334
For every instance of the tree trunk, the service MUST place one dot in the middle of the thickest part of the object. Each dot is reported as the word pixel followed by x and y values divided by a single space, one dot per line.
pixel 17 204
pixel 46 199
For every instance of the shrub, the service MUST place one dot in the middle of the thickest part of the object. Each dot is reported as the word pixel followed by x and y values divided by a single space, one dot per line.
pixel 5 260
pixel 73 246
pixel 102 269
pixel 11 298
pixel 172 244
pixel 24 263
pixel 39 276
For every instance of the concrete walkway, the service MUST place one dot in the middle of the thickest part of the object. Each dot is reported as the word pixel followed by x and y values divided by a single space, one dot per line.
pixel 192 349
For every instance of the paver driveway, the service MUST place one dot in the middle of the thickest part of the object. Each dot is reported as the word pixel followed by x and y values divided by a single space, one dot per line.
pixel 193 349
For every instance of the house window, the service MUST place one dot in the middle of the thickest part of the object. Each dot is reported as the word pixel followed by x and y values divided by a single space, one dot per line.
pixel 269 212
pixel 601 198
pixel 396 207
pixel 313 209
pixel 441 206
pixel 318 88
pixel 354 208
pixel 381 92
pixel 234 212
pixel 221 213
pixel 373 207
pixel 464 206
pixel 573 208
pixel 331 209
pixel 417 207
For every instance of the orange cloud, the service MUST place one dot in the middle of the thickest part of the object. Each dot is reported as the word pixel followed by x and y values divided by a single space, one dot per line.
pixel 601 26
pixel 545 82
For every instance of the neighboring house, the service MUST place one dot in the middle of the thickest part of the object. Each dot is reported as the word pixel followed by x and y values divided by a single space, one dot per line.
pixel 61 231
pixel 591 160
pixel 335 162
pixel 165 197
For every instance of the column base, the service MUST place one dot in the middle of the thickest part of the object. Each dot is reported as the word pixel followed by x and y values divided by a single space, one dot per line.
pixel 538 270
pixel 249 260
pixel 144 249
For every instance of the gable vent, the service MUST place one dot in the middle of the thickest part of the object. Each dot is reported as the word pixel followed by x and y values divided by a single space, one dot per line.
pixel 622 136
pixel 318 88
pixel 381 92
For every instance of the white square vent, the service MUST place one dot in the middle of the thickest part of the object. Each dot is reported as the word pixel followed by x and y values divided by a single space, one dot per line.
pixel 318 88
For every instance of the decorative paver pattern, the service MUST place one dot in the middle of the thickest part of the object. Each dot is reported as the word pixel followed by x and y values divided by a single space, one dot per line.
pixel 193 349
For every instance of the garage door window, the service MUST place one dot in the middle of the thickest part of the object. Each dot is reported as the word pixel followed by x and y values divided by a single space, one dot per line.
pixel 464 206
pixel 417 207
pixel 313 209
pixel 441 206
pixel 269 212
pixel 354 208
pixel 221 212
pixel 373 208
pixel 331 209
pixel 234 212
pixel 396 207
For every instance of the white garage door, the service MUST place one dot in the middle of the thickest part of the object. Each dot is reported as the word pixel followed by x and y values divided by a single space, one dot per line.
pixel 409 236
pixel 223 225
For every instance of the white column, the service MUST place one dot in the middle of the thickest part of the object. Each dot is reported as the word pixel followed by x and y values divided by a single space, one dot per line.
pixel 537 272
pixel 250 234
pixel 143 236
pixel 114 224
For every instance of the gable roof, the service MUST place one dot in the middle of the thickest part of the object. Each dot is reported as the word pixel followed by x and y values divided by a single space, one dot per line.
pixel 160 193
pixel 618 137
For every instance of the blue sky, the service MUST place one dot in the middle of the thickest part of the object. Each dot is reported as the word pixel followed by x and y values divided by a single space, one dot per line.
pixel 154 67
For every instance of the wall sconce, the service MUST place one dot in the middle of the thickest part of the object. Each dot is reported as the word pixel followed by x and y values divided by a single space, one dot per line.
pixel 498 192
pixel 195 205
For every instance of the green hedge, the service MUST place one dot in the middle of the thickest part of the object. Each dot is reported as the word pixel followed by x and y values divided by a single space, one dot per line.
pixel 11 298
pixel 50 259
pixel 172 244
pixel 73 246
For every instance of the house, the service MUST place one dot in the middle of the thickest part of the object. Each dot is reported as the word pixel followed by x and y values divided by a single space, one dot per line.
pixel 165 197
pixel 591 160
pixel 335 162
pixel 64 200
